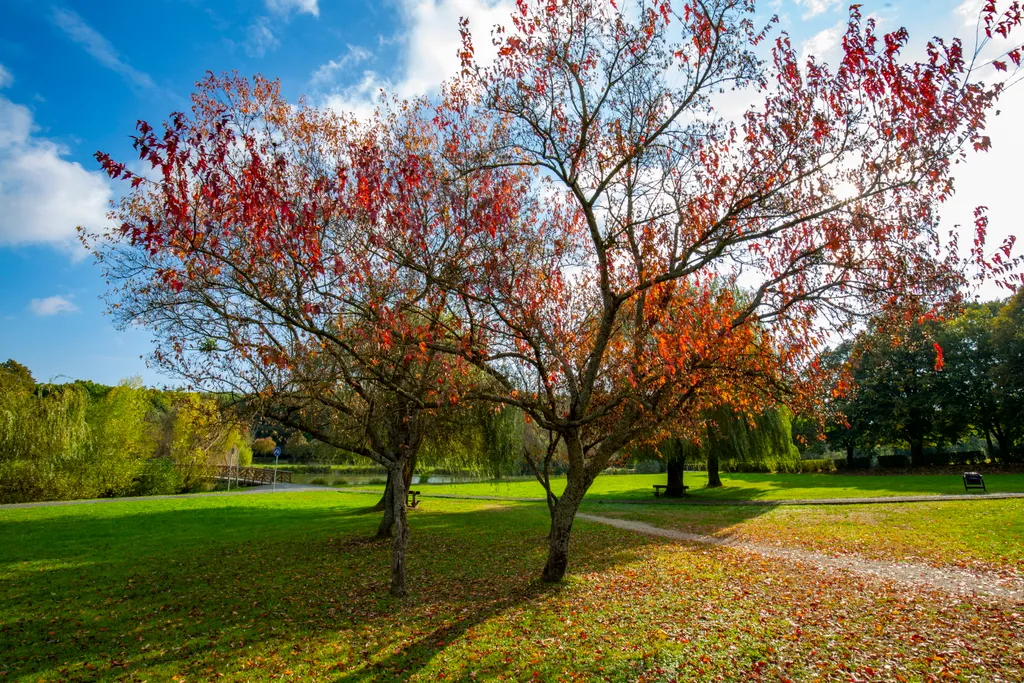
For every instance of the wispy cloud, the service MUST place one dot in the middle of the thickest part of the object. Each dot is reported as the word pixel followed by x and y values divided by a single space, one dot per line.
pixel 52 305
pixel 327 73
pixel 299 6
pixel 816 7
pixel 99 48
pixel 259 39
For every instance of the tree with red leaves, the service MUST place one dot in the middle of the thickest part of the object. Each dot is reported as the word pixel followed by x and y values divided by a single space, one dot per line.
pixel 259 252
pixel 681 262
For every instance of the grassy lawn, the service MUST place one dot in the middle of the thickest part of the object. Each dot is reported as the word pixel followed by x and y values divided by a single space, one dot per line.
pixel 987 535
pixel 742 486
pixel 285 587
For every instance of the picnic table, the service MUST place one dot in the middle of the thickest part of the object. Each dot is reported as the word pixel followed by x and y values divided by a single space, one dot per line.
pixel 412 502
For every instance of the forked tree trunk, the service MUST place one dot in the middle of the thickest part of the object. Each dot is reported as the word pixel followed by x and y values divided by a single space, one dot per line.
pixel 388 520
pixel 400 543
pixel 561 527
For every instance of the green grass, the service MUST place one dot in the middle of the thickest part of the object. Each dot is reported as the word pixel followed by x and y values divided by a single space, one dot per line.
pixel 742 486
pixel 286 587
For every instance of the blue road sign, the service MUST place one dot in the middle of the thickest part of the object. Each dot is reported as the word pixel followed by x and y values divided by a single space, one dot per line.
pixel 277 451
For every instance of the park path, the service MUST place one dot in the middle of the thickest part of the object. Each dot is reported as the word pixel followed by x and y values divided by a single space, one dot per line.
pixel 949 580
pixel 266 488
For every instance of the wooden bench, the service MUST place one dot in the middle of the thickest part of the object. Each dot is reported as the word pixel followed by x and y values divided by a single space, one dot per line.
pixel 659 487
pixel 973 480
pixel 412 502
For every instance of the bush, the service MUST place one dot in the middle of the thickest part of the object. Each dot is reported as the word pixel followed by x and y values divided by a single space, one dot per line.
pixel 965 458
pixel 319 481
pixel 893 461
pixel 859 464
pixel 649 467
pixel 822 465
pixel 159 477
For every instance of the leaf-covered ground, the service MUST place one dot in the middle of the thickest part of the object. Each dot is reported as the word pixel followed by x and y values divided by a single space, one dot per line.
pixel 739 486
pixel 986 534
pixel 285 587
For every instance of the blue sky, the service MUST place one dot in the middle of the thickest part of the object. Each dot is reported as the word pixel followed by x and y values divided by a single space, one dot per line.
pixel 76 75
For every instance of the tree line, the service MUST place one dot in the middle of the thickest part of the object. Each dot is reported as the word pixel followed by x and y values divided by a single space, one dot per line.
pixel 933 386
pixel 86 440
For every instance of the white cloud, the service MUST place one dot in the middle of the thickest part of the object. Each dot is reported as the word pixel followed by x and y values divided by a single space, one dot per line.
pixel 824 44
pixel 430 46
pixel 259 39
pixel 359 99
pixel 5 77
pixel 431 53
pixel 99 47
pixel 299 6
pixel 43 196
pixel 52 305
pixel 816 7
pixel 969 11
pixel 328 73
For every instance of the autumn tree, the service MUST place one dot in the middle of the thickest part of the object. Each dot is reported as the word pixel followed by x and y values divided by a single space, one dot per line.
pixel 607 308
pixel 257 255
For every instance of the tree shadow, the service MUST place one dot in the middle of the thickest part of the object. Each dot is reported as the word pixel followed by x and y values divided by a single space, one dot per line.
pixel 255 591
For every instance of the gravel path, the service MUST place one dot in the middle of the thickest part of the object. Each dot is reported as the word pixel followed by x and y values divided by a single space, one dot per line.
pixel 918 575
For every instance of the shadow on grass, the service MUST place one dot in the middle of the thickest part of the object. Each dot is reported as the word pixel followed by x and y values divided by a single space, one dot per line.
pixel 256 592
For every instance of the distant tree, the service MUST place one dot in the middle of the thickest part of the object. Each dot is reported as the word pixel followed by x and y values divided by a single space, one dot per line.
pixel 263 447
pixel 1006 405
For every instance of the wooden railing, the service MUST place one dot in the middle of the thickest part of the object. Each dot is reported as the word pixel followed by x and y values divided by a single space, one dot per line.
pixel 251 475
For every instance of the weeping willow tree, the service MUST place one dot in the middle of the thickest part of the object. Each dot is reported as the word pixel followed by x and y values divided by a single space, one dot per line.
pixel 732 441
pixel 477 440
pixel 762 443
pixel 43 438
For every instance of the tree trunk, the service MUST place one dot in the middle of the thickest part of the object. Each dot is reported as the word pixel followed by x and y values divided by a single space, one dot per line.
pixel 714 480
pixel 400 543
pixel 561 526
pixel 674 489
pixel 384 530
pixel 917 452
pixel 1004 446
pixel 382 504
pixel 849 455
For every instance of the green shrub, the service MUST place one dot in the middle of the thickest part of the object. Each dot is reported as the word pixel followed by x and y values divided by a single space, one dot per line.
pixel 319 481
pixel 822 465
pixel 159 477
pixel 650 467
pixel 893 461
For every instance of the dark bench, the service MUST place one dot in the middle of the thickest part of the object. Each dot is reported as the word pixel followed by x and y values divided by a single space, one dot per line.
pixel 659 487
pixel 412 502
pixel 973 480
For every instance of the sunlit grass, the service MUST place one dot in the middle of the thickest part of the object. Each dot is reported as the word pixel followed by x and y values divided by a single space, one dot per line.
pixel 287 587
